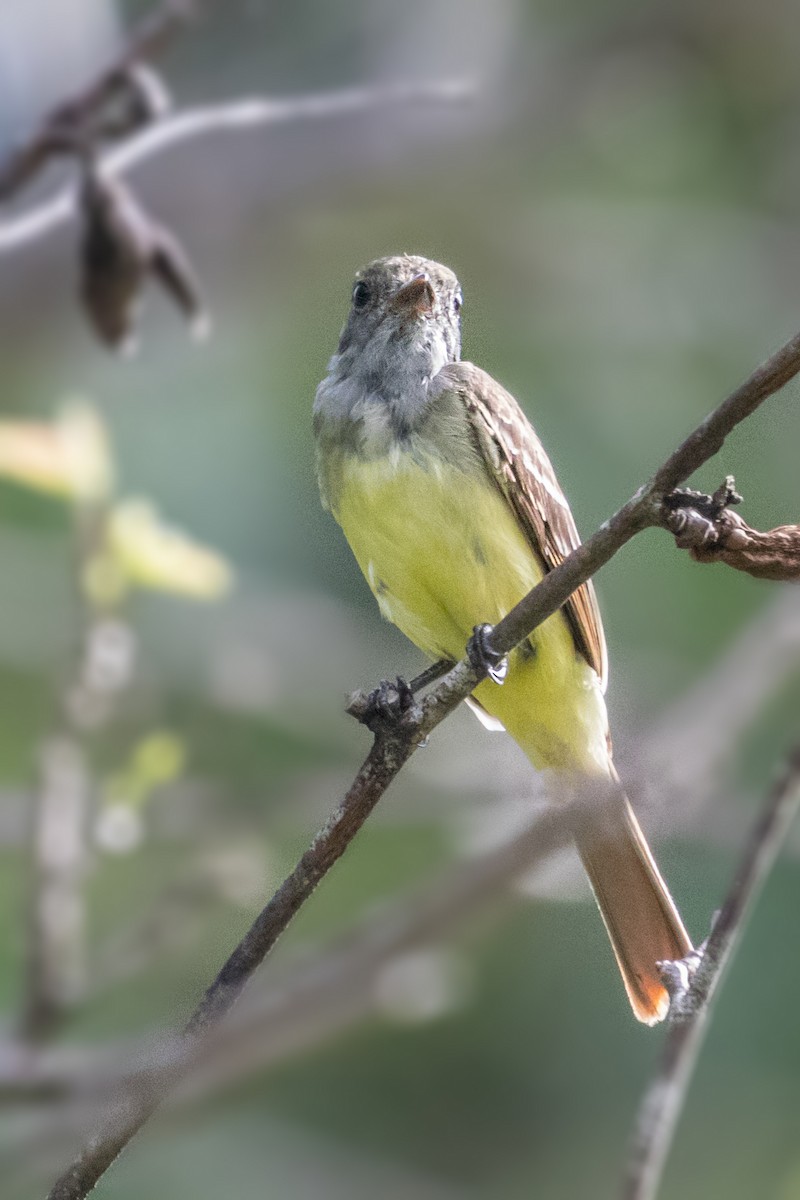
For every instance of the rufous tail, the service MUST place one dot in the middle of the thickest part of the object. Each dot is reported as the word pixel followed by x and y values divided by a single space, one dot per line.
pixel 640 915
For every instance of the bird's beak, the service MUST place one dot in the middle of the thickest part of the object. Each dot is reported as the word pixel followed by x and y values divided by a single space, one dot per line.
pixel 415 298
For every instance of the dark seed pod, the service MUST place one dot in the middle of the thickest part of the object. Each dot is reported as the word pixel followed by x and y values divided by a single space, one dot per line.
pixel 121 244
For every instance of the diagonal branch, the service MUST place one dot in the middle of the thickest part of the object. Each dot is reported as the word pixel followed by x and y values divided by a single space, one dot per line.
pixel 396 740
pixel 646 508
pixel 666 1093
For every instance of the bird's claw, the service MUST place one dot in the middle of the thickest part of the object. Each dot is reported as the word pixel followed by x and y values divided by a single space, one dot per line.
pixel 709 506
pixel 484 657
pixel 387 702
pixel 678 975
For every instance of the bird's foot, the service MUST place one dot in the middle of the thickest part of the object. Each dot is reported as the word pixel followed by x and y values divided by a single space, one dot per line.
pixel 704 524
pixel 484 657
pixel 385 705
pixel 710 506
pixel 678 977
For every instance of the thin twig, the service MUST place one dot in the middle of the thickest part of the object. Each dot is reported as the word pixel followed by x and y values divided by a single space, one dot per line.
pixel 395 743
pixel 709 436
pixel 147 41
pixel 666 1093
pixel 235 116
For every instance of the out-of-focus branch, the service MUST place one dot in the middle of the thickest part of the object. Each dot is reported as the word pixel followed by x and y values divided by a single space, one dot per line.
pixel 237 116
pixel 331 988
pixel 706 527
pixel 122 246
pixel 392 747
pixel 176 918
pixel 323 991
pixel 677 763
pixel 395 740
pixel 148 40
pixel 56 948
pixel 664 1098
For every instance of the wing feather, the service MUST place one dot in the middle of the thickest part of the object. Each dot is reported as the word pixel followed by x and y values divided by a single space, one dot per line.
pixel 517 461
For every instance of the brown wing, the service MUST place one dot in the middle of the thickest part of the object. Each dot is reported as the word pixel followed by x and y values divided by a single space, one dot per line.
pixel 517 461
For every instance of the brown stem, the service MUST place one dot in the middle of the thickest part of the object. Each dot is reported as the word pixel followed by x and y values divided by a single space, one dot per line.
pixel 726 538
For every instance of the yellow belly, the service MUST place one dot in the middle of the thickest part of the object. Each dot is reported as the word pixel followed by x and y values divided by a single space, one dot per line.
pixel 443 552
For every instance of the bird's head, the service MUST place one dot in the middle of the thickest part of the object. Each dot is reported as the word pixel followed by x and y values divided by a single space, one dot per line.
pixel 404 304
pixel 404 325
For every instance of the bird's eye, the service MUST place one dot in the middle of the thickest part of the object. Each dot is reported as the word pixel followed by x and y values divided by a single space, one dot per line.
pixel 458 303
pixel 361 295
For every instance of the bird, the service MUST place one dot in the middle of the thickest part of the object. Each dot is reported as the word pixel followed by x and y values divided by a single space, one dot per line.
pixel 454 512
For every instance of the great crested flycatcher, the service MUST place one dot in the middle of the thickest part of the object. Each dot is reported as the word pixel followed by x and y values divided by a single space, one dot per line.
pixel 453 512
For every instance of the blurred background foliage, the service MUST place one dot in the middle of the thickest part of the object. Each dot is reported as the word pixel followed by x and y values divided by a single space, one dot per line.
pixel 621 203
